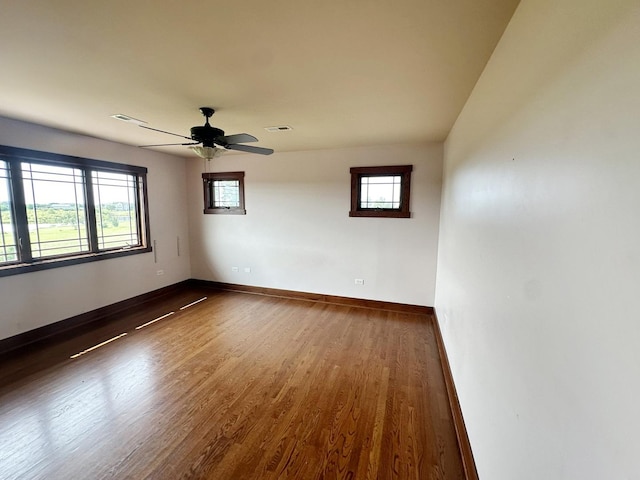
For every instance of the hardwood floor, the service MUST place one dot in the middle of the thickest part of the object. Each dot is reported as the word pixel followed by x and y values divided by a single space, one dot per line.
pixel 236 386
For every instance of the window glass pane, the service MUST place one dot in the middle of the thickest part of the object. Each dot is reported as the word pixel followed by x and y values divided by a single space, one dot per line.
pixel 385 179
pixel 55 202
pixel 226 193
pixel 116 200
pixel 380 192
pixel 8 246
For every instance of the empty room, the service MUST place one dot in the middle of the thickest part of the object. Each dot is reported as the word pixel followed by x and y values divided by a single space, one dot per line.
pixel 352 239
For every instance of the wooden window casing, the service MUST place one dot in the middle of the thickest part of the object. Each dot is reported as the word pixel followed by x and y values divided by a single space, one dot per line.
pixel 358 173
pixel 210 205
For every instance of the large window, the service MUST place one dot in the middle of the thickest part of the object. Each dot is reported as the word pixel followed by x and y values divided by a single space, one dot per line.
pixel 58 210
pixel 381 191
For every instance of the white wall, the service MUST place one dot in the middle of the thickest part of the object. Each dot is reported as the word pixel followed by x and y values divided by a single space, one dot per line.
pixel 539 261
pixel 297 234
pixel 31 300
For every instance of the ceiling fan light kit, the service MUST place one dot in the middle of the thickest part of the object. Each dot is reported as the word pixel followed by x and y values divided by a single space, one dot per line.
pixel 208 153
pixel 214 141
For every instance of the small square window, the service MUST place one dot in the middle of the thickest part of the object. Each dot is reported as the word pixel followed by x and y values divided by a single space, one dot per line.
pixel 380 191
pixel 224 193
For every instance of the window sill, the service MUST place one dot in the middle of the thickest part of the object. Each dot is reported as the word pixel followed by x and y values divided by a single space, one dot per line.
pixel 46 264
pixel 380 213
pixel 225 211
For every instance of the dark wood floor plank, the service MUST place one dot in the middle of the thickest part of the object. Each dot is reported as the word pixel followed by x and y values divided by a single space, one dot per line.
pixel 237 386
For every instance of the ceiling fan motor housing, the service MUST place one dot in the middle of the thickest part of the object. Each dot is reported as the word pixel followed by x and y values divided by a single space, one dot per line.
pixel 206 134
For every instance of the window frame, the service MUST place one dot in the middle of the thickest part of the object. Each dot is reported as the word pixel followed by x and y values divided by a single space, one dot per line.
pixel 14 156
pixel 358 173
pixel 209 202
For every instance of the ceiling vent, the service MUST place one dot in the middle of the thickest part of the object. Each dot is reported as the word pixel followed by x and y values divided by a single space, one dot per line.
pixel 127 118
pixel 279 128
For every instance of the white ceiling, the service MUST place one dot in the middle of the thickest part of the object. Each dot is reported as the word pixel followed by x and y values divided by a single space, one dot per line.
pixel 340 72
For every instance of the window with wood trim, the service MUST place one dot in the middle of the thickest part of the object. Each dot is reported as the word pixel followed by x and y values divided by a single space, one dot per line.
pixel 224 193
pixel 8 241
pixel 381 191
pixel 57 210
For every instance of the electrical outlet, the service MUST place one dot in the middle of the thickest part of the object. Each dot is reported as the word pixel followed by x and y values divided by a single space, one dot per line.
pixel 235 269
pixel 359 281
pixel 160 272
pixel 247 269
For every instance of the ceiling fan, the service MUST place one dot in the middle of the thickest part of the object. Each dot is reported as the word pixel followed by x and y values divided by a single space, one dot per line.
pixel 211 138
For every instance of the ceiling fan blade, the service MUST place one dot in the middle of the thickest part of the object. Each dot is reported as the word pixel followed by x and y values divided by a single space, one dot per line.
pixel 250 149
pixel 239 138
pixel 162 131
pixel 168 144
